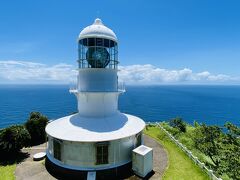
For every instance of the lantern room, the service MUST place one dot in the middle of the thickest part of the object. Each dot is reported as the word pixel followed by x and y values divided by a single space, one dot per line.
pixel 97 47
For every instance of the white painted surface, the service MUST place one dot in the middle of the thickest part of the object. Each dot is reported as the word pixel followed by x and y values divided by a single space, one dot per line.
pixel 142 150
pixel 97 105
pixel 80 168
pixel 89 129
pixel 97 80
pixel 142 160
pixel 98 119
pixel 82 155
pixel 97 29
pixel 39 156
pixel 91 175
pixel 97 92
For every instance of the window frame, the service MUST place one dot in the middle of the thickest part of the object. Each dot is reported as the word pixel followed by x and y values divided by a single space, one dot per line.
pixel 57 149
pixel 102 151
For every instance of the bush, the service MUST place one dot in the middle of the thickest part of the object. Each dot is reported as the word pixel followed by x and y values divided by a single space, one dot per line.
pixel 196 124
pixel 36 127
pixel 13 138
pixel 179 124
pixel 207 139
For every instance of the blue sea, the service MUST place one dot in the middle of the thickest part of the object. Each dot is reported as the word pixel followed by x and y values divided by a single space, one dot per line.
pixel 205 104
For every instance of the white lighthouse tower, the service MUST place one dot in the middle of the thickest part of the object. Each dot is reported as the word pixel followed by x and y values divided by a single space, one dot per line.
pixel 99 136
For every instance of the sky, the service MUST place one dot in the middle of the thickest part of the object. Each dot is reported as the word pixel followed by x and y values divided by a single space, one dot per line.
pixel 160 42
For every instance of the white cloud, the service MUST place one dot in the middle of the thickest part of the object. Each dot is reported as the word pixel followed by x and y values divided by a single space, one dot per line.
pixel 31 72
pixel 149 74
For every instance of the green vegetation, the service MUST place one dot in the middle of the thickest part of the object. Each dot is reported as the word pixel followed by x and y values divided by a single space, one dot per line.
pixel 180 166
pixel 14 138
pixel 178 124
pixel 7 172
pixel 218 148
pixel 186 139
pixel 36 127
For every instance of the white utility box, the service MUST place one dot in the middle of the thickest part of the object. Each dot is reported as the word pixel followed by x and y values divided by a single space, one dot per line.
pixel 142 160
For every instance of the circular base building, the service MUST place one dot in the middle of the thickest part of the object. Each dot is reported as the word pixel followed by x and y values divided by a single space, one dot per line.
pixel 88 144
pixel 98 137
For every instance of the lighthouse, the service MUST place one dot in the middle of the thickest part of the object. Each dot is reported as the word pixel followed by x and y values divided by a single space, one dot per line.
pixel 98 136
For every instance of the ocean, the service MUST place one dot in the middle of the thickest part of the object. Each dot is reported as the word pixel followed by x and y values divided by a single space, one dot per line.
pixel 205 104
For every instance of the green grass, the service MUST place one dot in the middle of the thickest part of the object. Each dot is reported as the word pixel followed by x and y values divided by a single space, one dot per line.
pixel 7 172
pixel 8 164
pixel 186 139
pixel 180 166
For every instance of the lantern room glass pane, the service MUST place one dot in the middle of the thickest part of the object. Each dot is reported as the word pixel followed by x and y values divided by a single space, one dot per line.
pixel 97 53
pixel 111 43
pixel 99 42
pixel 91 42
pixel 84 42
pixel 106 43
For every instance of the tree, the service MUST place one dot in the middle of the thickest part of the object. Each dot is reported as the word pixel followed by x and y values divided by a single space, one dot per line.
pixel 179 124
pixel 231 151
pixel 207 139
pixel 223 147
pixel 196 124
pixel 13 138
pixel 36 126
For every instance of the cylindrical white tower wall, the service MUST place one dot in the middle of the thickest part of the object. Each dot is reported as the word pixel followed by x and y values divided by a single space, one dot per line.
pixel 97 80
pixel 82 155
pixel 97 104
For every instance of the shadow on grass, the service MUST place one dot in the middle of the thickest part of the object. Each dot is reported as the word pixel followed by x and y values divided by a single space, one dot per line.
pixel 12 158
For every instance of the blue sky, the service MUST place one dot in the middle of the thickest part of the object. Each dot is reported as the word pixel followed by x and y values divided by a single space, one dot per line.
pixel 171 35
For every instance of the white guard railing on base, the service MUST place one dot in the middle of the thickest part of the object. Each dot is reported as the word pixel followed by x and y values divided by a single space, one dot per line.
pixel 189 153
pixel 121 86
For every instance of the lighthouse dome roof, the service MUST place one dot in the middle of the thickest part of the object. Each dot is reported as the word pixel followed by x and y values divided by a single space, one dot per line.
pixel 97 30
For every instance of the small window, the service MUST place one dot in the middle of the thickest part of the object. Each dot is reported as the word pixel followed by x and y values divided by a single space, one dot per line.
pixel 57 149
pixel 102 153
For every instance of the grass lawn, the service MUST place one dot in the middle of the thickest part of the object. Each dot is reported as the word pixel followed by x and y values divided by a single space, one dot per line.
pixel 186 139
pixel 7 172
pixel 8 165
pixel 180 166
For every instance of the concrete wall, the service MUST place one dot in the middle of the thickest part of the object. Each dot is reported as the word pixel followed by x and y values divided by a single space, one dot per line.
pixel 82 155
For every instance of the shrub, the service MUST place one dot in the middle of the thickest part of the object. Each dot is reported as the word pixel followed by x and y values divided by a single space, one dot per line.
pixel 222 147
pixel 207 139
pixel 179 124
pixel 36 127
pixel 174 131
pixel 196 124
pixel 14 138
pixel 187 141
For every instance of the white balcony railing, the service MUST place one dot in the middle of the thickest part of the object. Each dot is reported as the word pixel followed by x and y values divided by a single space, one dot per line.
pixel 121 87
pixel 74 89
